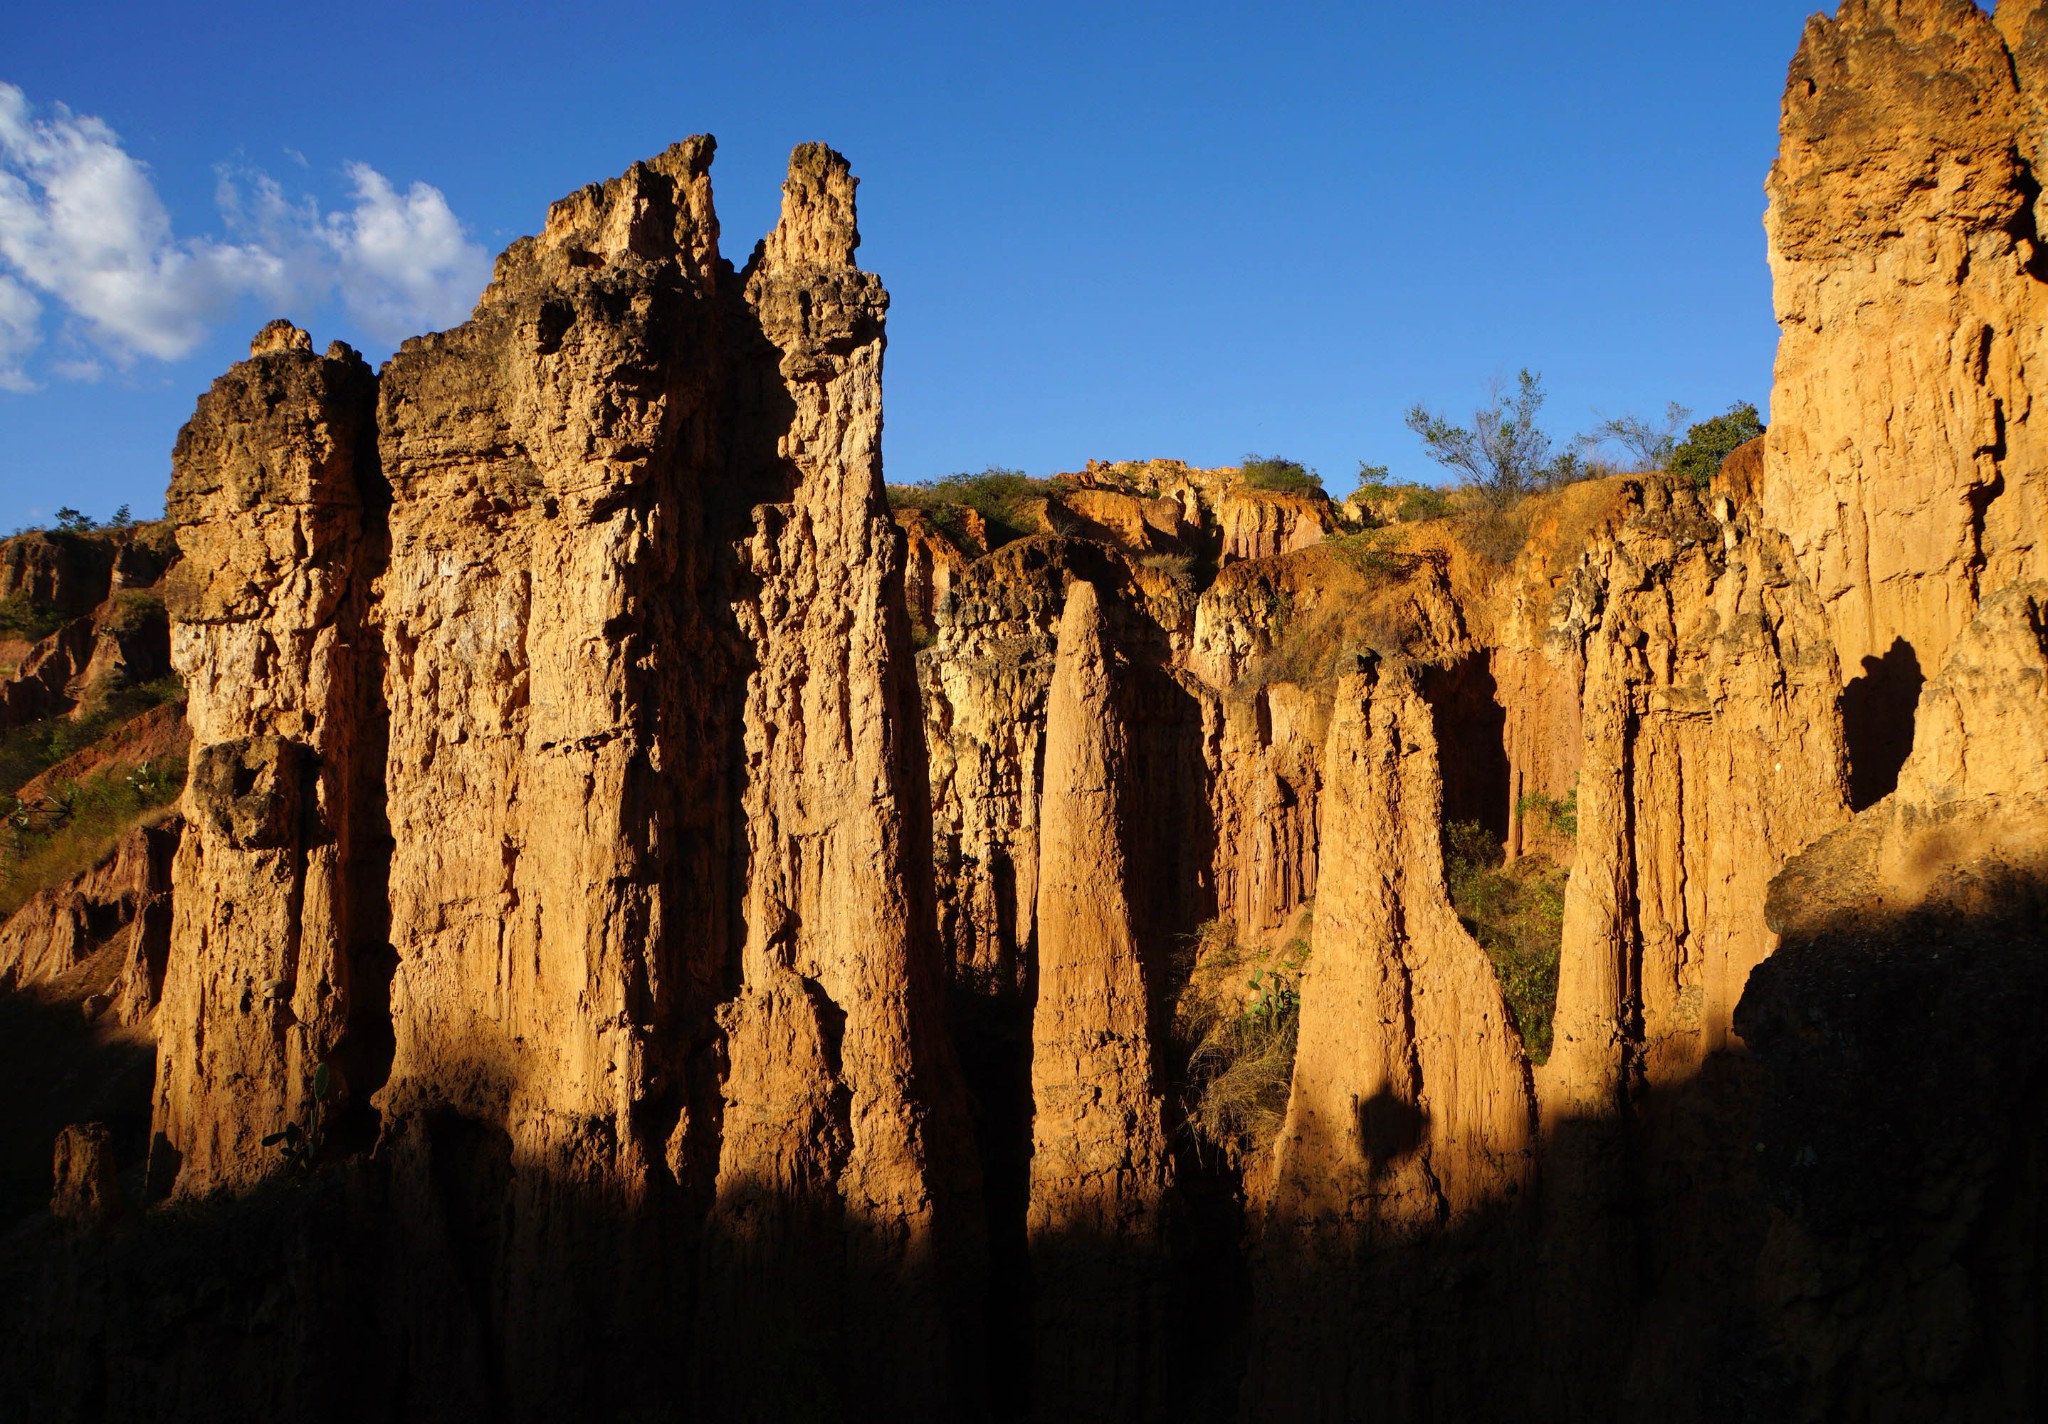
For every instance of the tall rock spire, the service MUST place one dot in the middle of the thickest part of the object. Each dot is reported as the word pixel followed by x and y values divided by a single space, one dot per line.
pixel 1099 1167
pixel 1904 451
pixel 845 1184
pixel 275 494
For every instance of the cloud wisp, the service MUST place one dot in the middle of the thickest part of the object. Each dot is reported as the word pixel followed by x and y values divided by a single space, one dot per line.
pixel 83 233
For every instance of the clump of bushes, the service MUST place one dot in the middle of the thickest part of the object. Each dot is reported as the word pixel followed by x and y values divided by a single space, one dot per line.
pixel 1002 497
pixel 1270 472
pixel 1366 551
pixel 1712 441
pixel 1410 503
pixel 1558 814
pixel 1516 913
pixel 1239 1019
pixel 134 609
pixel 23 617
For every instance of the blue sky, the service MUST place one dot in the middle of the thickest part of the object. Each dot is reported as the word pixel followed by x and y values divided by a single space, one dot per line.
pixel 1113 231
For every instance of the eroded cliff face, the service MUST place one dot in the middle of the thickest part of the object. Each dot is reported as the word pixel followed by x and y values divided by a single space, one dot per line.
pixel 1712 755
pixel 1903 450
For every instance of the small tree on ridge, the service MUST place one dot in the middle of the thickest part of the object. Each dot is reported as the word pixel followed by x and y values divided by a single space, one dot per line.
pixel 1504 454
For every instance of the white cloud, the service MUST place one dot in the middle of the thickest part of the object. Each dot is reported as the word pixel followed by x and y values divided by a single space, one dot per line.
pixel 81 223
pixel 404 261
pixel 20 331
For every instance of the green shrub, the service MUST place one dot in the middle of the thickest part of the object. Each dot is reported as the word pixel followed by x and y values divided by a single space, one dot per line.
pixel 1559 814
pixel 133 610
pixel 1000 496
pixel 1366 552
pixel 1516 913
pixel 1420 502
pixel 1270 472
pixel 1712 441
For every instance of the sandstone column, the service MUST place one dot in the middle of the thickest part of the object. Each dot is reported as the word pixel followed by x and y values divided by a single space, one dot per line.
pixel 1099 1167
pixel 845 1195
pixel 1410 1111
pixel 559 887
pixel 1904 452
pixel 273 490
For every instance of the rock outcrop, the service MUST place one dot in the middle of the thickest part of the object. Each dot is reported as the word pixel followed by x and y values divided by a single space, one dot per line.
pixel 119 908
pixel 1711 756
pixel 1260 524
pixel 843 1112
pixel 1411 1110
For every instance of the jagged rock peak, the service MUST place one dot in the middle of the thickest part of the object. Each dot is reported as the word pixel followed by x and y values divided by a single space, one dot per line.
pixel 817 227
pixel 659 209
pixel 280 335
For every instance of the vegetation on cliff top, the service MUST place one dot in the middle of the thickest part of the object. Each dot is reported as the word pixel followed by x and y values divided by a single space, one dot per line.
pixel 1504 454
pixel 1004 498
pixel 1712 441
pixel 1271 472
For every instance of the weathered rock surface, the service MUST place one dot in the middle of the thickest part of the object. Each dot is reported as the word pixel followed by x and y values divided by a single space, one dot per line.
pixel 270 911
pixel 1260 524
pixel 86 1191
pixel 121 907
pixel 1904 252
pixel 1711 756
pixel 843 1110
pixel 1099 1166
